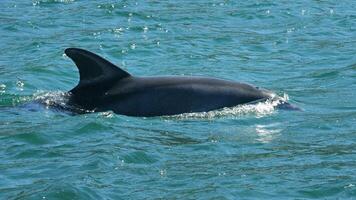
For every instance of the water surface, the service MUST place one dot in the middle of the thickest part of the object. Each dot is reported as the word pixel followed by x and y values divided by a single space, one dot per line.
pixel 303 49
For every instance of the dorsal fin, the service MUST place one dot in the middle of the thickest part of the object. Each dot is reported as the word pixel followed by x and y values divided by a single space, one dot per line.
pixel 95 72
pixel 93 67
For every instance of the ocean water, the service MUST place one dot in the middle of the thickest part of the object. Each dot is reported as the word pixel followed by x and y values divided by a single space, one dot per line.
pixel 302 50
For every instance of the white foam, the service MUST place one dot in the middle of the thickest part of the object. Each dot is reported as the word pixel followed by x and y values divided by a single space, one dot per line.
pixel 260 109
pixel 51 98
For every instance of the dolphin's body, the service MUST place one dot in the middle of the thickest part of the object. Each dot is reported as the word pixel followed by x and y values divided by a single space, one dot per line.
pixel 104 86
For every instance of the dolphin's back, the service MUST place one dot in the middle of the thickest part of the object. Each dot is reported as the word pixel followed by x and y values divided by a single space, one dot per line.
pixel 154 96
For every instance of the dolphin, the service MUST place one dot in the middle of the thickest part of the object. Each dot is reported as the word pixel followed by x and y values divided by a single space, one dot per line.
pixel 103 86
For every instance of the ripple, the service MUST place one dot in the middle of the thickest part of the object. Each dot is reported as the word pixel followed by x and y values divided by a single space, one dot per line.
pixel 138 157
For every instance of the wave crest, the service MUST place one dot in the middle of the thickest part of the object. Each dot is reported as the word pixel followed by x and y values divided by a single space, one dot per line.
pixel 260 109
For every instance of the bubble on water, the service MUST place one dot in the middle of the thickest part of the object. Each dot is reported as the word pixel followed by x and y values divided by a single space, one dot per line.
pixel 290 30
pixel 97 35
pixel 51 98
pixel 20 84
pixel 349 185
pixel 118 31
pixel 2 88
pixel 108 114
pixel 303 12
pixel 133 46
pixel 163 172
pixel 222 173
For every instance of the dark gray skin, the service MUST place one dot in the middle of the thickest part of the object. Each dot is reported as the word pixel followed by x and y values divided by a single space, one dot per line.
pixel 104 86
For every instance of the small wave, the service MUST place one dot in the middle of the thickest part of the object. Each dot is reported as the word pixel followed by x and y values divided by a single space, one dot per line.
pixel 260 109
pixel 55 100
pixel 2 88
pixel 42 97
pixel 59 100
pixel 38 2
pixel 51 98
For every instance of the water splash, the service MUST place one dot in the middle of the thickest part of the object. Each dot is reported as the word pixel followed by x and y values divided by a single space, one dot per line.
pixel 51 98
pixel 2 88
pixel 108 114
pixel 59 100
pixel 38 2
pixel 20 84
pixel 260 109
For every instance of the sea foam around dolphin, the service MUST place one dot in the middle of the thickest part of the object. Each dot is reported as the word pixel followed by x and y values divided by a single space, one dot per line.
pixel 59 99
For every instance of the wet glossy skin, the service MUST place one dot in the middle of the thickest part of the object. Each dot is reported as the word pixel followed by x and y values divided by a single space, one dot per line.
pixel 103 86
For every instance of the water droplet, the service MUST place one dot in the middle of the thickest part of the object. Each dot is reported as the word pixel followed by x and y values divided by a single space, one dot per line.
pixel 133 46
pixel 303 12
pixel 20 84
pixel 349 185
pixel 108 114
pixel 222 173
pixel 2 88
pixel 289 30
pixel 162 172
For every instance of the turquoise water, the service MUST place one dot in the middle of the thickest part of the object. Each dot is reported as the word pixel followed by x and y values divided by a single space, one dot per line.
pixel 303 50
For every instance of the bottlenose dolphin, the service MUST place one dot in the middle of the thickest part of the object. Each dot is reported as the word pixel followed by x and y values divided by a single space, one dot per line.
pixel 104 86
